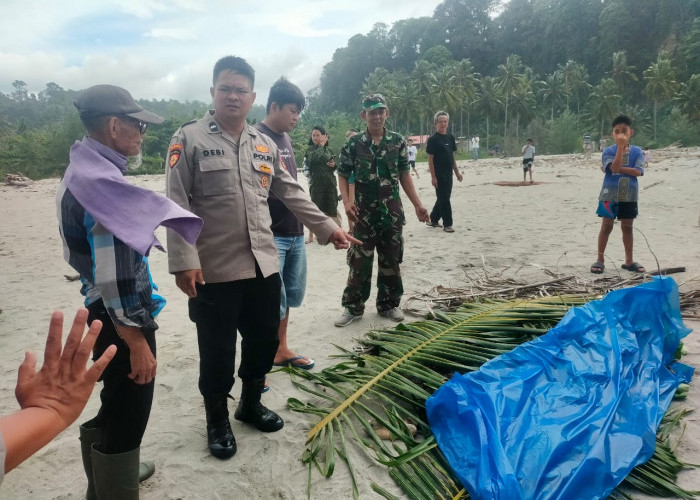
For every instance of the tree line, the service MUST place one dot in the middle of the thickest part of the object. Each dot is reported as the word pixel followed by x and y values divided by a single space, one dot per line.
pixel 547 69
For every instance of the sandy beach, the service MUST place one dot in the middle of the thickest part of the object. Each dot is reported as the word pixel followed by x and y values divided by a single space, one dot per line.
pixel 523 229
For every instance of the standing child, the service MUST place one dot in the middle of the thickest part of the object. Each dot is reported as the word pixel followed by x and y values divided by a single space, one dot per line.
pixel 412 151
pixel 528 159
pixel 622 164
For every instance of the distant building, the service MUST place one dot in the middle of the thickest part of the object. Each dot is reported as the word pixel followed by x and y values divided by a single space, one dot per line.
pixel 419 140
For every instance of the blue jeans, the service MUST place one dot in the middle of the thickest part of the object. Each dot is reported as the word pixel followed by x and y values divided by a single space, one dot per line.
pixel 475 152
pixel 292 255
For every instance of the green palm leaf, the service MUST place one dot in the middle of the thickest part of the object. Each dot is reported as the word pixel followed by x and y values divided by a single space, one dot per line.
pixel 386 385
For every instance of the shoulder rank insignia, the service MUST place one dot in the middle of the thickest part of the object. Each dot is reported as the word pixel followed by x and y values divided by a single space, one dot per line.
pixel 174 154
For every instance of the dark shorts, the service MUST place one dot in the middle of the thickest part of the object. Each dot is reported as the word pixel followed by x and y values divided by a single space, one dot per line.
pixel 412 164
pixel 617 210
pixel 527 164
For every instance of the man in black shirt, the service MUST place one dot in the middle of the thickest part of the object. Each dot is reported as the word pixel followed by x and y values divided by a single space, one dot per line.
pixel 441 159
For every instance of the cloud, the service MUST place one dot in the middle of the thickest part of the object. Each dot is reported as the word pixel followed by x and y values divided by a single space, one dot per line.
pixel 166 49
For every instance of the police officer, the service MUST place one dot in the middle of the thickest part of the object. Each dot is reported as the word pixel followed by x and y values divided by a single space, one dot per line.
pixel 223 170
pixel 379 162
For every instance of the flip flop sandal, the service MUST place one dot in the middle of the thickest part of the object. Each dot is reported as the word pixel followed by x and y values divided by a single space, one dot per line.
pixel 635 267
pixel 598 267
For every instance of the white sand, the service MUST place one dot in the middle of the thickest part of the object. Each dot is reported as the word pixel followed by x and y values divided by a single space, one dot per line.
pixel 529 228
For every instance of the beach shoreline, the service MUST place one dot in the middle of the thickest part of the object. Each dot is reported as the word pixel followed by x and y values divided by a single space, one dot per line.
pixel 521 231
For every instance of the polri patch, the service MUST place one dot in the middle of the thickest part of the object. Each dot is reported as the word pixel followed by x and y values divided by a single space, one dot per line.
pixel 174 154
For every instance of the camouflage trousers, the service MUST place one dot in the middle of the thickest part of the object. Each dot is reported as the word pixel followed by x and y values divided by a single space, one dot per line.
pixel 389 245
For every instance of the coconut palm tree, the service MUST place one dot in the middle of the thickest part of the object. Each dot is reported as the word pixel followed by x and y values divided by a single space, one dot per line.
pixel 488 100
pixel 553 91
pixel 576 80
pixel 605 101
pixel 467 81
pixel 661 82
pixel 421 75
pixel 622 73
pixel 688 98
pixel 444 91
pixel 510 78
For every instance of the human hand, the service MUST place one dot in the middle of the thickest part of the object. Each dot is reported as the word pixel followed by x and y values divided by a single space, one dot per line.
pixel 341 239
pixel 459 176
pixel 63 385
pixel 352 212
pixel 422 213
pixel 143 363
pixel 324 140
pixel 331 163
pixel 434 182
pixel 186 280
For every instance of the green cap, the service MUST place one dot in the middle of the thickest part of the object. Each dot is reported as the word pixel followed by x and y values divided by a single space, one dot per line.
pixel 373 101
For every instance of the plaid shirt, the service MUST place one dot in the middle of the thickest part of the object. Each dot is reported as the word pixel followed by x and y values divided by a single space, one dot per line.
pixel 109 270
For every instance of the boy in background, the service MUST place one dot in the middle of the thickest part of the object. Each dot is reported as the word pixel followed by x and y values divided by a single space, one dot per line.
pixel 622 164
pixel 528 159
pixel 412 154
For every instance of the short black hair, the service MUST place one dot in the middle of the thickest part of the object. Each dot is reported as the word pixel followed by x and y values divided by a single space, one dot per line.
pixel 529 140
pixel 622 119
pixel 236 65
pixel 285 92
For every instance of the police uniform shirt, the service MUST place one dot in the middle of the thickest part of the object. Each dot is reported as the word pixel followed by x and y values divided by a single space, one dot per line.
pixel 228 185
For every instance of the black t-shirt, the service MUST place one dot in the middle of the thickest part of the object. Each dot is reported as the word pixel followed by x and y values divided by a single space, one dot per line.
pixel 284 222
pixel 442 147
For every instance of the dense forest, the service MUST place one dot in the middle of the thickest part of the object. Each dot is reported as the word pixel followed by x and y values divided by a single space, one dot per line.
pixel 547 69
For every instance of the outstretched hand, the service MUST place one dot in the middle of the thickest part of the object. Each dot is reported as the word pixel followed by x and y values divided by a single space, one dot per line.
pixel 63 385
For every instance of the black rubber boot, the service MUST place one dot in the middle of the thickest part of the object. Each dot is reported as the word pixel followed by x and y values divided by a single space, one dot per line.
pixel 251 411
pixel 222 443
pixel 116 475
pixel 88 436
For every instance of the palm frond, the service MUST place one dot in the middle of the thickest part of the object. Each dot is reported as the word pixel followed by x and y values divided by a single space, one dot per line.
pixel 386 384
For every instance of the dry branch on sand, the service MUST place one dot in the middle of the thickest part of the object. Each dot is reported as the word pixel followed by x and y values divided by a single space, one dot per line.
pixel 18 180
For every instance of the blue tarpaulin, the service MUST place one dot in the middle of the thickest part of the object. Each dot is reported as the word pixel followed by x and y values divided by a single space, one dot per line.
pixel 571 413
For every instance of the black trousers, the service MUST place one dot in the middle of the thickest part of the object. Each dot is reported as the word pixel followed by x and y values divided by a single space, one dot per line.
pixel 220 310
pixel 443 207
pixel 126 405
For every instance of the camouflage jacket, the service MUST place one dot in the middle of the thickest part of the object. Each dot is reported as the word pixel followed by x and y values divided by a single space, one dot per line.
pixel 376 170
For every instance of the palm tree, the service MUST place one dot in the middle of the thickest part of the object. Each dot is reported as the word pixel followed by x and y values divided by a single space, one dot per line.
pixel 661 82
pixel 605 100
pixel 510 79
pixel 466 80
pixel 553 91
pixel 488 100
pixel 688 98
pixel 444 92
pixel 622 74
pixel 576 80
pixel 422 78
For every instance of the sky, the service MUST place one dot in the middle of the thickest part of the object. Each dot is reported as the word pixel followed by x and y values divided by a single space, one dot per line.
pixel 166 49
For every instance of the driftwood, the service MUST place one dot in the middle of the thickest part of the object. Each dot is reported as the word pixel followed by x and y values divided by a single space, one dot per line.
pixel 18 180
pixel 484 283
pixel 73 277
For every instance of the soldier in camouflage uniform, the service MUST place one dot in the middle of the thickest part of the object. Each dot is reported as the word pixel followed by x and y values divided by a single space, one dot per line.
pixel 379 162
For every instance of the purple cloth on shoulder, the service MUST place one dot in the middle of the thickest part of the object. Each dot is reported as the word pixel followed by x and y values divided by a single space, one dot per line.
pixel 95 176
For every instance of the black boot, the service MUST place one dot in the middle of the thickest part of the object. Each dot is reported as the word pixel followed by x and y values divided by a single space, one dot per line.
pixel 251 411
pixel 220 438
